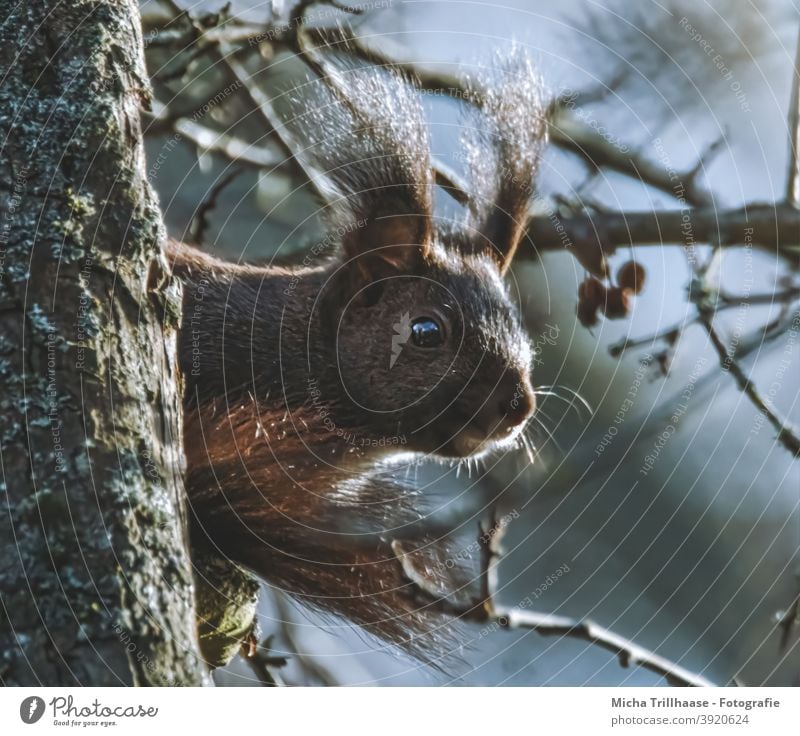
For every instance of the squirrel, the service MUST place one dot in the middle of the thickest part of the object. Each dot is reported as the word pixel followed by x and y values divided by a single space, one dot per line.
pixel 400 340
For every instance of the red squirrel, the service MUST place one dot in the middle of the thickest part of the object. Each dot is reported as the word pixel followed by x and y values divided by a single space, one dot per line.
pixel 399 340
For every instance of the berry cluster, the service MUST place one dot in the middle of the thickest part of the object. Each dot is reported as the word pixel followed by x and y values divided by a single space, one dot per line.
pixel 613 301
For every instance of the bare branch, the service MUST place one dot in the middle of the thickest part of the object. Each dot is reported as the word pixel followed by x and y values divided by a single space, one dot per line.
pixel 449 180
pixel 267 111
pixel 572 134
pixel 628 652
pixel 486 610
pixel 264 665
pixel 726 301
pixel 774 228
pixel 597 92
pixel 670 335
pixel 162 121
pixel 199 223
pixel 787 435
pixel 229 146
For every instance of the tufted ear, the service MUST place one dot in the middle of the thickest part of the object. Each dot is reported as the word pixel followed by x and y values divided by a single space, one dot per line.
pixel 368 143
pixel 503 145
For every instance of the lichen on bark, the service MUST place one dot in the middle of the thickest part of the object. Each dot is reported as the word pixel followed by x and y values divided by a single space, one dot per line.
pixel 95 579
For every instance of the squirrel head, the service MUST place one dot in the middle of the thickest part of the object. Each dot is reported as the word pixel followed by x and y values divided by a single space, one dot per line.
pixel 425 342
pixel 430 349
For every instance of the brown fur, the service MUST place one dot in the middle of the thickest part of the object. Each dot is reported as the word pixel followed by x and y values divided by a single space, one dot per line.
pixel 291 397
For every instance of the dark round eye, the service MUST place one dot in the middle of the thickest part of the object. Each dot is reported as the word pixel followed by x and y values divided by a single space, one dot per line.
pixel 426 332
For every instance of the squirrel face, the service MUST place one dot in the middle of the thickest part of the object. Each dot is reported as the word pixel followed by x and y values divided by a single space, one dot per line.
pixel 435 356
pixel 428 348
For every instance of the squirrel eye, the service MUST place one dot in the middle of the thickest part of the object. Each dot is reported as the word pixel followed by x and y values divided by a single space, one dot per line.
pixel 426 332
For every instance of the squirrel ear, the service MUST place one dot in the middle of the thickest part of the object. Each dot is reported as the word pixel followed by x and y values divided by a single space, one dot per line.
pixel 501 234
pixel 382 247
pixel 504 144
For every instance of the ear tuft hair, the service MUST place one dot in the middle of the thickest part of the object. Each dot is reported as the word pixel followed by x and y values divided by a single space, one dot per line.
pixel 503 138
pixel 368 141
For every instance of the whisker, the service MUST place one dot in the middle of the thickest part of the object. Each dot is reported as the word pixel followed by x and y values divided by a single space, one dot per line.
pixel 553 391
pixel 555 424
pixel 569 402
pixel 530 448
pixel 548 434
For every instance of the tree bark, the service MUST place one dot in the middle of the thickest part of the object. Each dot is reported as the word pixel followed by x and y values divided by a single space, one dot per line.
pixel 95 579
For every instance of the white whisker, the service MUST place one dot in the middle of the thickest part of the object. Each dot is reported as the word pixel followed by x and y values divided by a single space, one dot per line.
pixel 530 448
pixel 553 391
pixel 547 433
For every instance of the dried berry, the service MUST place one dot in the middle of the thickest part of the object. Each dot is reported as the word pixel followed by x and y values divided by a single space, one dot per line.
pixel 592 290
pixel 618 302
pixel 631 275
pixel 591 296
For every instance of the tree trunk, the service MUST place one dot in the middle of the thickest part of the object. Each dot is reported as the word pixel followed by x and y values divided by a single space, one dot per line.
pixel 95 579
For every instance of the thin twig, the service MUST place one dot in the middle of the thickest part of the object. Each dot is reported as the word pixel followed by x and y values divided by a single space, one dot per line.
pixel 703 161
pixel 449 180
pixel 570 133
pixel 787 435
pixel 484 610
pixel 209 140
pixel 669 334
pixel 232 148
pixel 264 105
pixel 199 223
pixel 264 665
pixel 726 301
pixel 595 93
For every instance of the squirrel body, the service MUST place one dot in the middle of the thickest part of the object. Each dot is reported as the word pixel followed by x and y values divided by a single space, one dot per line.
pixel 403 341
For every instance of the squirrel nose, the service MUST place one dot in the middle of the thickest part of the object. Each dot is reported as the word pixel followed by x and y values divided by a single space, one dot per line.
pixel 511 404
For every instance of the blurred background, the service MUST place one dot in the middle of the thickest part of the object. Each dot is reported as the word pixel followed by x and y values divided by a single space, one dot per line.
pixel 661 494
